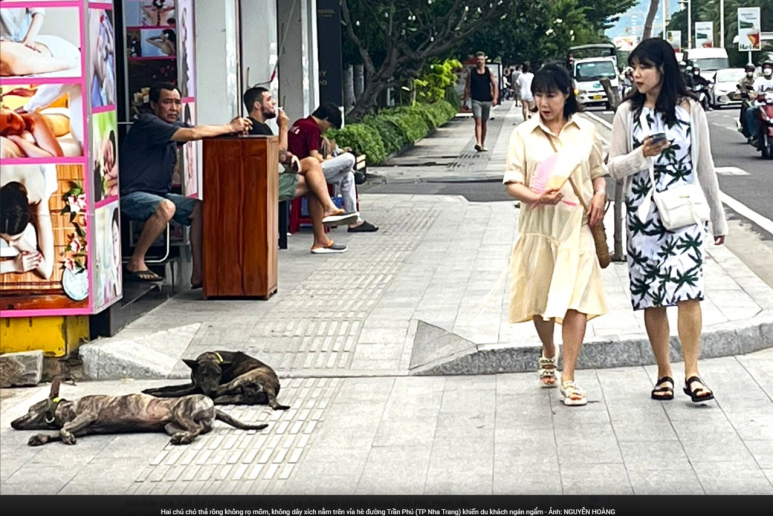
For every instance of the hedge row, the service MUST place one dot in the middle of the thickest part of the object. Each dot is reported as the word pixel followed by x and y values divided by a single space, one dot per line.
pixel 392 129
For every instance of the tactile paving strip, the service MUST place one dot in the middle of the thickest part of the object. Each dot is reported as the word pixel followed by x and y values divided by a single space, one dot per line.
pixel 228 460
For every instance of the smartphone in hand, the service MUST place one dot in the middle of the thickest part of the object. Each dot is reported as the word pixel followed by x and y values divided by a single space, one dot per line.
pixel 658 137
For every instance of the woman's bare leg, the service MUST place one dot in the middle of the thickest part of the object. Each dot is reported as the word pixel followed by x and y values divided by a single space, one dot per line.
pixel 658 331
pixel 573 332
pixel 690 324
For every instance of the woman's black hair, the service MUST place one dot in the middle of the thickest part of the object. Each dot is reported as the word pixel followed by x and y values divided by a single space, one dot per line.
pixel 658 53
pixel 14 209
pixel 555 78
pixel 115 218
pixel 170 34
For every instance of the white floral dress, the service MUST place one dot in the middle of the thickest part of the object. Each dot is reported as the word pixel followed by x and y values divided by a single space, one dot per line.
pixel 665 267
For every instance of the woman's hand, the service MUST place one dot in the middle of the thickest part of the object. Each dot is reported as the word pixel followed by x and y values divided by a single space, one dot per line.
pixel 30 44
pixel 550 197
pixel 26 261
pixel 650 149
pixel 719 240
pixel 597 206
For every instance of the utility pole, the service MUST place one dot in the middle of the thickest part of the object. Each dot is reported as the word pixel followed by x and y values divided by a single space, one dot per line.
pixel 665 19
pixel 689 24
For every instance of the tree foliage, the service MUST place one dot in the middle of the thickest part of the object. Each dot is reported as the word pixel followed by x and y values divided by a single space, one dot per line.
pixel 394 39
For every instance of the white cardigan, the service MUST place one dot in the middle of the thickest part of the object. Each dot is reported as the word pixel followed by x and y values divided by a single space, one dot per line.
pixel 624 161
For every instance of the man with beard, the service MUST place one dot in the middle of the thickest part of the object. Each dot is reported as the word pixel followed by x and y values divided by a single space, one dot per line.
pixel 298 177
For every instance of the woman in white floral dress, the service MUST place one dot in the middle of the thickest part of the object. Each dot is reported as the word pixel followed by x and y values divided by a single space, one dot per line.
pixel 665 266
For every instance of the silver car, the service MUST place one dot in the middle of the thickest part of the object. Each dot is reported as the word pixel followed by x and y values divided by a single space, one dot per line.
pixel 723 90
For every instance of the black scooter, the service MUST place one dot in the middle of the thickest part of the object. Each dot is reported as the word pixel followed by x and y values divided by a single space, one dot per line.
pixel 746 102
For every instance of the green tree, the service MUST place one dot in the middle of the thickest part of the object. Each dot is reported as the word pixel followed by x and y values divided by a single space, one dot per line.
pixel 395 38
pixel 541 30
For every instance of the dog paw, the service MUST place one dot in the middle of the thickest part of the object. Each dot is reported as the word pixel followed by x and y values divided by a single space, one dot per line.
pixel 67 438
pixel 38 440
pixel 181 438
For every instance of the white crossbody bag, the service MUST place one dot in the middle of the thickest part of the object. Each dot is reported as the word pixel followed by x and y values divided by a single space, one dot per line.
pixel 679 206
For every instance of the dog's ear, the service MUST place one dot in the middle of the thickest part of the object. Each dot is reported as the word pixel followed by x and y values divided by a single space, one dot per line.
pixel 55 388
pixel 191 363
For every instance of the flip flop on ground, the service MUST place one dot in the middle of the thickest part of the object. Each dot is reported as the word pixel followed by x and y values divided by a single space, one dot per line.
pixel 330 248
pixel 146 276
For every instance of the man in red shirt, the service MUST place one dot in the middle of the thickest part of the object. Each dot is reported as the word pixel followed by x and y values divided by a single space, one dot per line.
pixel 305 139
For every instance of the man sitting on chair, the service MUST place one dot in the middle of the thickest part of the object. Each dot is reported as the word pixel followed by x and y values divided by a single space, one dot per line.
pixel 305 139
pixel 147 160
pixel 300 177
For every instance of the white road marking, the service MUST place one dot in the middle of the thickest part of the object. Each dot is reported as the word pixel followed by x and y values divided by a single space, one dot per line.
pixel 599 119
pixel 731 171
pixel 748 213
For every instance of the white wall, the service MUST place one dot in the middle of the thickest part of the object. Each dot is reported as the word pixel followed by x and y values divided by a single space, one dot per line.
pixel 217 72
pixel 260 44
pixel 298 64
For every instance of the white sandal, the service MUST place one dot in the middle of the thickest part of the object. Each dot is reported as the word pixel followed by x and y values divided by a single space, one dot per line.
pixel 547 370
pixel 573 395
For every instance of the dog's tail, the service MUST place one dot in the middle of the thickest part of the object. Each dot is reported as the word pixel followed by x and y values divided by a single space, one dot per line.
pixel 225 418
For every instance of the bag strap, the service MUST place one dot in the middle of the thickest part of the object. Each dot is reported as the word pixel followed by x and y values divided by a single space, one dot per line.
pixel 571 181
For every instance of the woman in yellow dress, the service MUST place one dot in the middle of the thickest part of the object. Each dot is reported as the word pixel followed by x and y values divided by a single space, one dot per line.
pixel 555 274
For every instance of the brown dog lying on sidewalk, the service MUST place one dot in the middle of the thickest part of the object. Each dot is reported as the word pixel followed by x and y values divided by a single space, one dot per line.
pixel 183 418
pixel 228 377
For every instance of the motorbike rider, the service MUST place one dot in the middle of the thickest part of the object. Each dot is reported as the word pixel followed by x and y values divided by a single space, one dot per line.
pixel 761 84
pixel 684 72
pixel 746 88
pixel 698 82
pixel 627 82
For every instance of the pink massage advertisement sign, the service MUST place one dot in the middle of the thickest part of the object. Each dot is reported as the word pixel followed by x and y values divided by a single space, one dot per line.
pixel 47 173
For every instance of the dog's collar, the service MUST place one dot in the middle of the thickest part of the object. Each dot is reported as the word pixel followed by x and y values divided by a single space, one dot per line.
pixel 51 410
pixel 219 357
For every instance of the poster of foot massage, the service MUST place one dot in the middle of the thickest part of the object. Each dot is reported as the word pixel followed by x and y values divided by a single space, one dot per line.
pixel 59 158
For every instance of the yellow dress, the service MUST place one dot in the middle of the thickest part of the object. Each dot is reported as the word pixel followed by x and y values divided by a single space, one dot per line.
pixel 554 267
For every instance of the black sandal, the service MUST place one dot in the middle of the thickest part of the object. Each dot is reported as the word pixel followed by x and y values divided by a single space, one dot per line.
pixel 669 391
pixel 693 394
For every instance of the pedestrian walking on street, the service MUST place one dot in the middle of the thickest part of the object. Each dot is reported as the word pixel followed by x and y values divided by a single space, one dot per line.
pixel 555 274
pixel 524 85
pixel 661 135
pixel 516 86
pixel 483 89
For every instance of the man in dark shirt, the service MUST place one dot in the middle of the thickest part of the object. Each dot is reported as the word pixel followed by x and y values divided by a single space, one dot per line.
pixel 299 177
pixel 482 87
pixel 305 140
pixel 147 160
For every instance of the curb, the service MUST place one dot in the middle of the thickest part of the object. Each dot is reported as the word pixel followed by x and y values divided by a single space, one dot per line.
pixel 726 340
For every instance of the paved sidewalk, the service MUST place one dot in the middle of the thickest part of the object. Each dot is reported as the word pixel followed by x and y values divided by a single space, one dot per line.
pixel 364 343
pixel 493 434
pixel 427 294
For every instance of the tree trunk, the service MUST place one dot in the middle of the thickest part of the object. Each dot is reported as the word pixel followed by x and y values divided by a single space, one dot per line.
pixel 348 89
pixel 653 11
pixel 368 99
pixel 359 80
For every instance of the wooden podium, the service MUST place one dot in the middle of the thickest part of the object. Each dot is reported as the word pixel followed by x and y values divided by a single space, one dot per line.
pixel 240 212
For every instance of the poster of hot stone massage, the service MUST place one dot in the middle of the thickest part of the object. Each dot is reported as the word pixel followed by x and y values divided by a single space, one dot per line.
pixel 47 185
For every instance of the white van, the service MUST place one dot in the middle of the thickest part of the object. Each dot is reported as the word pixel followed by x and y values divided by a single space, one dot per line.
pixel 587 74
pixel 709 60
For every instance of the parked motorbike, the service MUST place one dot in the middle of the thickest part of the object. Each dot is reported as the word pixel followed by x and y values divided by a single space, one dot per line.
pixel 764 117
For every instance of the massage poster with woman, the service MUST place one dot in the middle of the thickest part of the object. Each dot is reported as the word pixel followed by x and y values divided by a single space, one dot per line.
pixel 47 189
